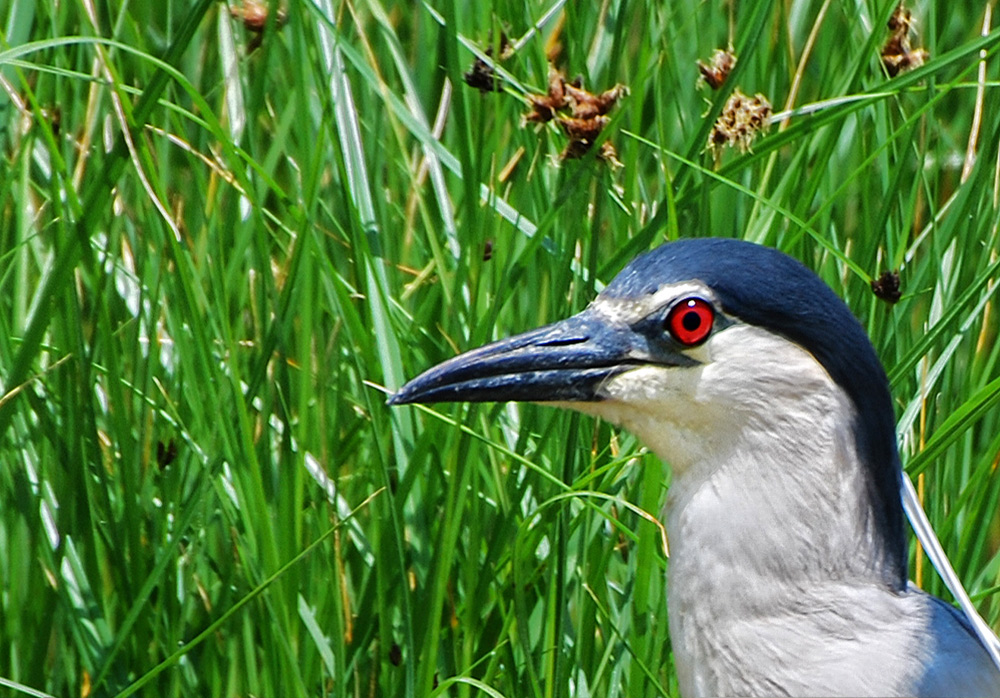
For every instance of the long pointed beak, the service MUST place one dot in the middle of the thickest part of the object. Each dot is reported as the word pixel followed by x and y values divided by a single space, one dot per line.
pixel 567 361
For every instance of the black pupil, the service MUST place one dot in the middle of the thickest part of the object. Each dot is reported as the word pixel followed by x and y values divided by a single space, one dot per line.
pixel 691 320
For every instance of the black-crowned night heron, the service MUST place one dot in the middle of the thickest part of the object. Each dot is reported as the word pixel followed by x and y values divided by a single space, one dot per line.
pixel 741 369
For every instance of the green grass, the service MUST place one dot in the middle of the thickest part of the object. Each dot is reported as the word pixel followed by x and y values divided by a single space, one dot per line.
pixel 285 237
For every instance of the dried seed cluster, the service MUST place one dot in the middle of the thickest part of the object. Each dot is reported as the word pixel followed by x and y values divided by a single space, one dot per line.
pixel 253 14
pixel 715 73
pixel 581 114
pixel 898 56
pixel 886 287
pixel 741 120
pixel 481 75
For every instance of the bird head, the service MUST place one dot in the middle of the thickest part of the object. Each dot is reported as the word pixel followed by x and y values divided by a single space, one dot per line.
pixel 700 347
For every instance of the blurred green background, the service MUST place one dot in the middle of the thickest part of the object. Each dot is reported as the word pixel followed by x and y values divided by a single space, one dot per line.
pixel 228 231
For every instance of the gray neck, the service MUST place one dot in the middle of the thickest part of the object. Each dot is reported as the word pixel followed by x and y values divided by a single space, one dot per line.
pixel 793 511
pixel 764 521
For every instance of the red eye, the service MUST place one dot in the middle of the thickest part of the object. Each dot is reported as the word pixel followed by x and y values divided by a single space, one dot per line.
pixel 690 321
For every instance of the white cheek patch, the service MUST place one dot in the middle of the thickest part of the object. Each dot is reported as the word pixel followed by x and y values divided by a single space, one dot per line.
pixel 647 390
pixel 752 367
pixel 650 385
pixel 670 395
pixel 748 378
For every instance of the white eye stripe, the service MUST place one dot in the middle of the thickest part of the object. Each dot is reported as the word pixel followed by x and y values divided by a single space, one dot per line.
pixel 673 292
pixel 629 311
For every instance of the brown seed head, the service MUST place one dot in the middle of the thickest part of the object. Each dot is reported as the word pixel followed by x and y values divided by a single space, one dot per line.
pixel 740 121
pixel 887 287
pixel 715 73
pixel 898 55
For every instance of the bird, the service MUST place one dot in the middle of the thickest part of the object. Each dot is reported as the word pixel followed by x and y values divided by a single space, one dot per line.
pixel 744 372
